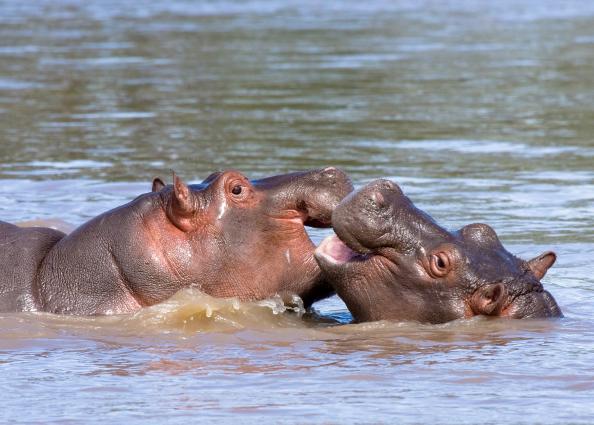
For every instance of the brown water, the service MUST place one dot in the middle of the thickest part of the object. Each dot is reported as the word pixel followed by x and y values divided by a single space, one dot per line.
pixel 481 111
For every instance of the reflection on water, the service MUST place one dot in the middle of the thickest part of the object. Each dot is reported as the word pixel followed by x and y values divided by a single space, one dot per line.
pixel 482 112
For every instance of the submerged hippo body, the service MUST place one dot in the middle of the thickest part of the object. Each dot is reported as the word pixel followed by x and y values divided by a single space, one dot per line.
pixel 390 260
pixel 227 236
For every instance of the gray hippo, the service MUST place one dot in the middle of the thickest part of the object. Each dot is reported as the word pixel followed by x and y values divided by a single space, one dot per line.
pixel 228 236
pixel 390 260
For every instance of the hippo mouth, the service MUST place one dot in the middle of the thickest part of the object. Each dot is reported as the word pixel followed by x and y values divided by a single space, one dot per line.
pixel 334 251
pixel 302 219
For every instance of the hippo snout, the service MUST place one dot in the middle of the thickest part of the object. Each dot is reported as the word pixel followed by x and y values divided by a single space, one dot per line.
pixel 368 203
pixel 335 177
pixel 384 184
pixel 312 194
pixel 326 189
pixel 381 193
pixel 534 305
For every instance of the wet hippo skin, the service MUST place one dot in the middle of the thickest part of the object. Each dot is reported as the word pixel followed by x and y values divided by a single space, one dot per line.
pixel 390 260
pixel 228 236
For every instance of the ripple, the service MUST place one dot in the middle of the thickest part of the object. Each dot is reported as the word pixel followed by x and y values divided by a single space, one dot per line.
pixel 13 84
pixel 74 164
pixel 472 147
pixel 114 115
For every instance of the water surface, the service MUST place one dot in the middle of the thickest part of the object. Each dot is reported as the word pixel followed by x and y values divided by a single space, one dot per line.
pixel 482 112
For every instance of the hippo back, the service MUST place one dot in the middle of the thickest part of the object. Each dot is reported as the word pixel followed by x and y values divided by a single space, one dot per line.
pixel 21 252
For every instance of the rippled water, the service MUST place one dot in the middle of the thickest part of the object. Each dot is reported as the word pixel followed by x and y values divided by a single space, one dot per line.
pixel 481 111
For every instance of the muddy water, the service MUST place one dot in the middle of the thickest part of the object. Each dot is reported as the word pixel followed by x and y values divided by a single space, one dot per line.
pixel 482 112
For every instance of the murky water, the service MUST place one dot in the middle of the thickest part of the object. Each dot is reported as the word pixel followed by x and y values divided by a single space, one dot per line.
pixel 482 111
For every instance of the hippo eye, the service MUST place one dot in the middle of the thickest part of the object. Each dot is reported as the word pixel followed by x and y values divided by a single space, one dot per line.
pixel 236 189
pixel 440 264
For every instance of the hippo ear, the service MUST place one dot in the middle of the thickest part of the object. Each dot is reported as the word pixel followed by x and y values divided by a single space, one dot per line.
pixel 489 299
pixel 182 199
pixel 541 264
pixel 157 184
pixel 181 212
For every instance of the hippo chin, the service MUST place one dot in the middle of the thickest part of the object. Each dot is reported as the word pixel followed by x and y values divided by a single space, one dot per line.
pixel 390 260
pixel 228 236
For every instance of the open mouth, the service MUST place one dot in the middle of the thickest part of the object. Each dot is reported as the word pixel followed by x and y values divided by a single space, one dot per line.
pixel 290 216
pixel 302 218
pixel 335 251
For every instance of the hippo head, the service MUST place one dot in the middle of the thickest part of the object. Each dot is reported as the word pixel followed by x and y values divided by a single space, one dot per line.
pixel 390 260
pixel 247 238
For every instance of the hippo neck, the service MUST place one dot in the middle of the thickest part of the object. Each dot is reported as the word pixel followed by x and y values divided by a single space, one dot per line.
pixel 103 267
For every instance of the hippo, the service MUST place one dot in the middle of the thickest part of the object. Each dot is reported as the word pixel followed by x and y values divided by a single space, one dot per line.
pixel 388 260
pixel 227 236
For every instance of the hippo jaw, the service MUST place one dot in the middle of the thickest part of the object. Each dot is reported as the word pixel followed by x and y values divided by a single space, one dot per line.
pixel 389 260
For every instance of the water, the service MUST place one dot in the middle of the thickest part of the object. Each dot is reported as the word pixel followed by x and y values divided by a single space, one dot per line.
pixel 482 112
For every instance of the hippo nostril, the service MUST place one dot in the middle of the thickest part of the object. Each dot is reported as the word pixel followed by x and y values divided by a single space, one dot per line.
pixel 388 185
pixel 377 198
pixel 329 171
pixel 384 184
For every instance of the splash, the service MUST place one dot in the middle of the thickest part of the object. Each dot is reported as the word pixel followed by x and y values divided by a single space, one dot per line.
pixel 193 311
